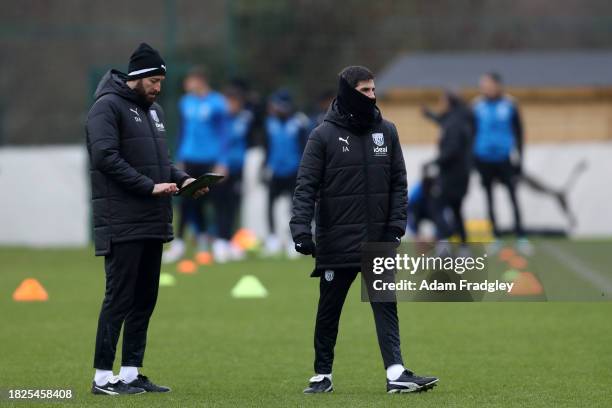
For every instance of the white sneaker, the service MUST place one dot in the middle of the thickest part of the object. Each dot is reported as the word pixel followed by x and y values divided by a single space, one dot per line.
pixel 273 246
pixel 220 250
pixel 174 252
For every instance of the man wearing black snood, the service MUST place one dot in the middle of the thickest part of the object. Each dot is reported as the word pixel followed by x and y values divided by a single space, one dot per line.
pixel 352 175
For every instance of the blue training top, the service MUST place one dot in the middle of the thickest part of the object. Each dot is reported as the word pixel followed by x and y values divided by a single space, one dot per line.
pixel 495 139
pixel 286 140
pixel 239 127
pixel 204 130
pixel 416 193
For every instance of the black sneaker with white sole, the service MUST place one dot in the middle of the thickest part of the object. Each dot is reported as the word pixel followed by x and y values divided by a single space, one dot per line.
pixel 319 384
pixel 142 381
pixel 410 382
pixel 115 387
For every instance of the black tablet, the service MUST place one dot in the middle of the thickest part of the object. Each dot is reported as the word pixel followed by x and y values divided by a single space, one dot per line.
pixel 205 180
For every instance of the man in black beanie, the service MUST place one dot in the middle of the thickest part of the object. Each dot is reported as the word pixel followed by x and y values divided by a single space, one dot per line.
pixel 353 171
pixel 132 181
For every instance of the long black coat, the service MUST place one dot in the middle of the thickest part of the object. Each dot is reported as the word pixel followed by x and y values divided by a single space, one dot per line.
pixel 357 180
pixel 126 142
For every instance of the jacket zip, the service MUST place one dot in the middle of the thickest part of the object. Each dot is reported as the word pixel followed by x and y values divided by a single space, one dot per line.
pixel 154 133
pixel 367 189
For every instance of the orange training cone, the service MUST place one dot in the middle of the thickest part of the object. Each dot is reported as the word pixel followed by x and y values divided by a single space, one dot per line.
pixel 244 239
pixel 186 266
pixel 30 290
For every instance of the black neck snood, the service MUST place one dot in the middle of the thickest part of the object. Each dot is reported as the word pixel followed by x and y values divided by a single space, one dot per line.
pixel 362 110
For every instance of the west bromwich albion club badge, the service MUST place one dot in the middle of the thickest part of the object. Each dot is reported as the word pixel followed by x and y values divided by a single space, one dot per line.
pixel 378 138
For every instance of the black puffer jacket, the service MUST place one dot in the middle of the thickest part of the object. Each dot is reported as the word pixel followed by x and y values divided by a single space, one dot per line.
pixel 455 151
pixel 357 180
pixel 126 141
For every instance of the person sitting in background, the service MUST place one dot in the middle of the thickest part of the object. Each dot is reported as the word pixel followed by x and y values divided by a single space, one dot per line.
pixel 286 135
pixel 201 149
pixel 498 151
pixel 452 166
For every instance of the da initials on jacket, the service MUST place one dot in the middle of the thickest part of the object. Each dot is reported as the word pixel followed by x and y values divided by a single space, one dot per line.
pixel 137 117
pixel 128 155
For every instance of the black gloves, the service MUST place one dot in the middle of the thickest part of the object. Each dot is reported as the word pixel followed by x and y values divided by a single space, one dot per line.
pixel 393 235
pixel 305 246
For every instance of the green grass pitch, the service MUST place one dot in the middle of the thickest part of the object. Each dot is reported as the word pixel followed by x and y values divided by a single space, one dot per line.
pixel 216 351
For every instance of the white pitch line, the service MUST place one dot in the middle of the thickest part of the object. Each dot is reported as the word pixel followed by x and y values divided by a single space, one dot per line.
pixel 594 277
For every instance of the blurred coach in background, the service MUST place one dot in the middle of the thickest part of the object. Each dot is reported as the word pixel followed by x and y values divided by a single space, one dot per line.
pixel 132 180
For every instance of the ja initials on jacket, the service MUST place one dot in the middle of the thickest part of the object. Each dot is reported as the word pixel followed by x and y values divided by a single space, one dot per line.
pixel 379 149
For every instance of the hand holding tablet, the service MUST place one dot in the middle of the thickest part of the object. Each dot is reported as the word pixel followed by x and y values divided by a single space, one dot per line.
pixel 205 181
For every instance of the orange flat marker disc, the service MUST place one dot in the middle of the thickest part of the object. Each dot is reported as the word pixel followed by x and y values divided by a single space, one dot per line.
pixel 517 262
pixel 204 258
pixel 506 254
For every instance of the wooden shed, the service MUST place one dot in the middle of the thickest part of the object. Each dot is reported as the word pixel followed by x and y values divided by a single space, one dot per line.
pixel 563 95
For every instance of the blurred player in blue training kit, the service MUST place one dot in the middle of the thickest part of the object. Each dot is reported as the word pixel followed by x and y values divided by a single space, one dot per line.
pixel 202 148
pixel 239 129
pixel 498 151
pixel 286 134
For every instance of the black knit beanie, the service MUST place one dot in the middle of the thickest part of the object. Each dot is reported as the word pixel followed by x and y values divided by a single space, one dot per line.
pixel 145 62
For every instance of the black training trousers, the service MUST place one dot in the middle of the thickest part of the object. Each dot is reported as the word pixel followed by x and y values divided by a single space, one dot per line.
pixel 197 211
pixel 277 188
pixel 332 293
pixel 132 281
pixel 438 208
pixel 505 173
pixel 229 193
